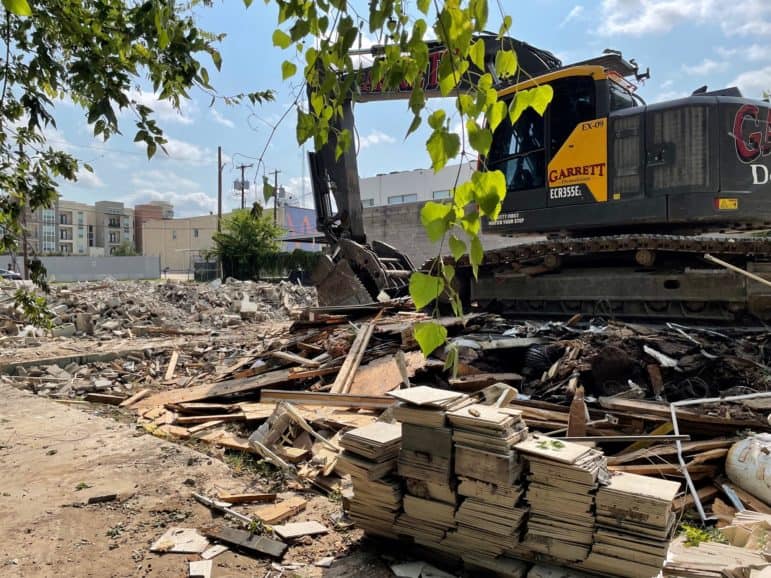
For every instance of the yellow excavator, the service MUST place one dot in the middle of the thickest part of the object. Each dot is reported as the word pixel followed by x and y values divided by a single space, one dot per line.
pixel 629 196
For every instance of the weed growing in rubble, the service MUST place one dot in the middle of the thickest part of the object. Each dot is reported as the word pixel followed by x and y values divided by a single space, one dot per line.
pixel 695 535
pixel 82 486
pixel 245 463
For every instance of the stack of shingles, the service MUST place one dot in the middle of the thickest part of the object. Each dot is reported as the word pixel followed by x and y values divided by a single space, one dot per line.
pixel 425 462
pixel 369 457
pixel 635 522
pixel 489 473
pixel 562 480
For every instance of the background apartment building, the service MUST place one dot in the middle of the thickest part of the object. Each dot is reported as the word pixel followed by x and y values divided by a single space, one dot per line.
pixel 114 225
pixel 152 211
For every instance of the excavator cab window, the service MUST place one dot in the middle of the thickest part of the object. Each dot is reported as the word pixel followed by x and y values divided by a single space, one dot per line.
pixel 518 151
pixel 619 97
pixel 574 102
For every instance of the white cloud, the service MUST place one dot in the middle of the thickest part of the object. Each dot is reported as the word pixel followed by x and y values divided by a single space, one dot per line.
pixel 294 187
pixel 184 151
pixel 376 137
pixel 754 82
pixel 159 178
pixel 705 68
pixel 639 17
pixel 164 110
pixel 572 15
pixel 88 179
pixel 753 52
pixel 218 118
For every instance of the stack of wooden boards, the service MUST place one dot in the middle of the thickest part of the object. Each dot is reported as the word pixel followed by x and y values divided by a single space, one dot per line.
pixel 635 523
pixel 488 471
pixel 369 457
pixel 561 485
pixel 425 463
pixel 461 466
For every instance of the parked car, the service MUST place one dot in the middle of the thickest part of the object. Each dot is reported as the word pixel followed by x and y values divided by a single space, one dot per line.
pixel 12 275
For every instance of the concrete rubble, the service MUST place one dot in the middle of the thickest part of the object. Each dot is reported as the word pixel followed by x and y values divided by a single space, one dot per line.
pixel 461 468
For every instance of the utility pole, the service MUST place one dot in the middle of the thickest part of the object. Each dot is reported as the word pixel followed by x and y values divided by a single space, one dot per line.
pixel 241 184
pixel 219 189
pixel 275 195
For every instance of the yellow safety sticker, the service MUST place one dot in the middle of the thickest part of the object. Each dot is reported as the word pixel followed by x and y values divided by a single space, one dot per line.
pixel 727 204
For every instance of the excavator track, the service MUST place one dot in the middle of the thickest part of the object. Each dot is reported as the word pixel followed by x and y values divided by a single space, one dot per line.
pixel 644 276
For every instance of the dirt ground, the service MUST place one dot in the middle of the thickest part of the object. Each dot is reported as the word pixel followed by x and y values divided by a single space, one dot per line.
pixel 54 457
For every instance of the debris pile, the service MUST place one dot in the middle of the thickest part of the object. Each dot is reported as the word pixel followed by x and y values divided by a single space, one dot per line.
pixel 119 309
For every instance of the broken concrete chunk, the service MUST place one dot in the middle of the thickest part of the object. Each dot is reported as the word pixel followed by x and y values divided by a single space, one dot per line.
pixel 181 541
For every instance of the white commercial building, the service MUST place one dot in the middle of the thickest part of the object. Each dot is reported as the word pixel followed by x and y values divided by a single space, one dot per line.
pixel 416 186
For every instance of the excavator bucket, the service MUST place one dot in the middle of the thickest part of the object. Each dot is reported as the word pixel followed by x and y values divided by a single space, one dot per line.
pixel 357 274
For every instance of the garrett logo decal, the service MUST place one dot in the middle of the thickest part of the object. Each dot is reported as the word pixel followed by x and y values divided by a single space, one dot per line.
pixel 597 169
pixel 752 133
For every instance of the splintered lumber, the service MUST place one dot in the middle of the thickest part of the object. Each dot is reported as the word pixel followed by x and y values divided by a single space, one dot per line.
pixel 669 450
pixel 105 398
pixel 172 365
pixel 479 381
pixel 705 494
pixel 204 426
pixel 196 419
pixel 344 379
pixel 327 399
pixel 281 511
pixel 223 388
pixel 294 358
pixel 250 543
pixel 246 498
pixel 385 374
pixel 129 401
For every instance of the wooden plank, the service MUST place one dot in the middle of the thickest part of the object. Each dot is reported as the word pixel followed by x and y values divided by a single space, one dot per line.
pixel 316 398
pixel 665 470
pixel 383 375
pixel 105 398
pixel 705 494
pixel 294 358
pixel 299 529
pixel 347 372
pixel 250 543
pixel 247 498
pixel 204 426
pixel 663 429
pixel 748 499
pixel 281 511
pixel 195 419
pixel 478 381
pixel 227 440
pixel 172 365
pixel 129 401
pixel 669 450
pixel 231 387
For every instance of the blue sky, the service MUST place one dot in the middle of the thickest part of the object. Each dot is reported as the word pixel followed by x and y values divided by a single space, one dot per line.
pixel 686 44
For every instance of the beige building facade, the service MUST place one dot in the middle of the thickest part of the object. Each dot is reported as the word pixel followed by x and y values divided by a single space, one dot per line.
pixel 178 242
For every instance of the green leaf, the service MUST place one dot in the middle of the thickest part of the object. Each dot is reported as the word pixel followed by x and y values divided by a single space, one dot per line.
pixel 424 5
pixel 425 288
pixel 451 361
pixel 448 78
pixel 18 7
pixel 436 120
pixel 541 97
pixel 463 194
pixel 248 3
pixel 88 167
pixel 442 146
pixel 479 11
pixel 448 272
pixel 457 247
pixel 477 54
pixel 495 114
pixel 429 336
pixel 417 100
pixel 288 69
pixel 414 125
pixel 479 138
pixel 490 192
pixel 305 126
pixel 506 63
pixel 434 218
pixel 476 254
pixel 471 224
pixel 504 26
pixel 281 39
